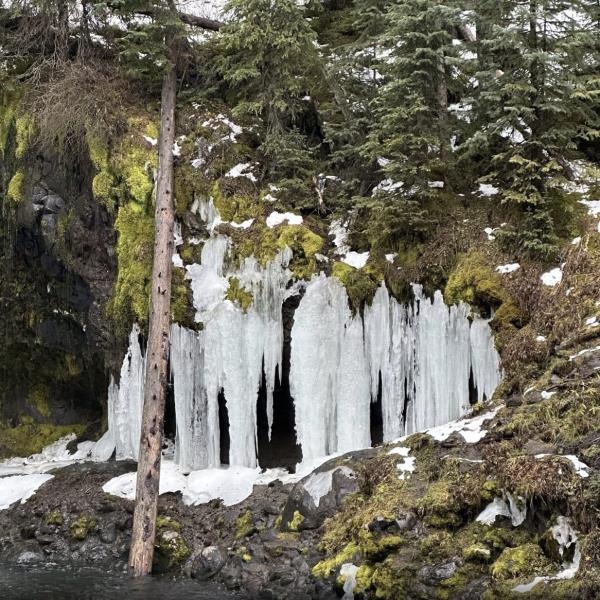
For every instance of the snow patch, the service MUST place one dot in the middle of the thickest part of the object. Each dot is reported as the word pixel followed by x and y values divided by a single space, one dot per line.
pixel 553 277
pixel 277 218
pixel 509 268
pixel 356 259
pixel 15 488
pixel 242 170
pixel 319 485
pixel 469 429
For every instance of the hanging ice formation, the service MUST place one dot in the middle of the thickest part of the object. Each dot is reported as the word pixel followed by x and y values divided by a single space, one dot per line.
pixel 417 359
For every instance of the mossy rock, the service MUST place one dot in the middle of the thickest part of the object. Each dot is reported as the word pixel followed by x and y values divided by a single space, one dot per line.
pixel 54 518
pixel 477 552
pixel 325 568
pixel 360 285
pixel 16 187
pixel 131 297
pixel 170 548
pixel 244 525
pixel 523 561
pixel 82 527
pixel 29 437
pixel 474 282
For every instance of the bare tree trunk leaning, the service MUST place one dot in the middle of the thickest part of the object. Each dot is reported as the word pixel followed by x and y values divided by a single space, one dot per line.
pixel 148 474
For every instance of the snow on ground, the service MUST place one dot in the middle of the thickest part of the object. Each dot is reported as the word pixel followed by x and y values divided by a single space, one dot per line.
pixel 593 207
pixel 20 487
pixel 486 189
pixel 53 456
pixel 579 467
pixel 348 571
pixel 469 429
pixel 242 170
pixel 231 484
pixel 553 277
pixel 243 225
pixel 390 257
pixel 409 463
pixel 566 537
pixel 509 268
pixel 277 218
pixel 356 259
pixel 585 351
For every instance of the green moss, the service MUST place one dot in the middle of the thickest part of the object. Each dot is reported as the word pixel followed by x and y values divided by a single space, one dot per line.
pixel 24 131
pixel 238 295
pixel 170 548
pixel 522 561
pixel 54 518
pixel 82 527
pixel 304 244
pixel 236 207
pixel 181 309
pixel 360 286
pixel 473 281
pixel 439 506
pixel 477 552
pixel 30 438
pixel 38 398
pixel 244 525
pixel 324 568
pixel 8 112
pixel 490 490
pixel 131 297
pixel 296 521
pixel 167 523
pixel 16 187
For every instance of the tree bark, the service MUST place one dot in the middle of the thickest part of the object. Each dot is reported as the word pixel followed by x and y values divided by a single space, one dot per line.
pixel 148 474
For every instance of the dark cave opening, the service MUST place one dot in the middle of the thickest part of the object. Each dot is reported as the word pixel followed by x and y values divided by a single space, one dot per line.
pixel 281 450
pixel 224 440
pixel 472 389
pixel 376 417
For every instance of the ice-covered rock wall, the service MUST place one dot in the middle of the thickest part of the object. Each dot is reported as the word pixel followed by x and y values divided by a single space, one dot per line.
pixel 417 358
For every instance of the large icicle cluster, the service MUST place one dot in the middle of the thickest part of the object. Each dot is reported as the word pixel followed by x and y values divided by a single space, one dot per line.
pixel 422 354
pixel 417 358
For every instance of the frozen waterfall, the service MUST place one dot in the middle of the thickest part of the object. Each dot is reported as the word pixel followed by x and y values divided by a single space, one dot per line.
pixel 416 359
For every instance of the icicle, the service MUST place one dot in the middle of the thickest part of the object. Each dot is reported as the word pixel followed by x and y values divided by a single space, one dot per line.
pixel 197 414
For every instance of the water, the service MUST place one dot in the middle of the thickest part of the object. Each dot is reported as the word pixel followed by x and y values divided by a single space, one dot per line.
pixel 78 582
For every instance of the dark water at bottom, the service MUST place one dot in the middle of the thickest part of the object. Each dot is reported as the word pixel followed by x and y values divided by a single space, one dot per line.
pixel 74 582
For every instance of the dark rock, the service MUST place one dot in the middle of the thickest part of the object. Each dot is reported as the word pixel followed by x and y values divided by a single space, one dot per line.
pixel 207 563
pixel 533 397
pixel 380 525
pixel 436 573
pixel 315 499
pixel 108 533
pixel 514 401
pixel 536 446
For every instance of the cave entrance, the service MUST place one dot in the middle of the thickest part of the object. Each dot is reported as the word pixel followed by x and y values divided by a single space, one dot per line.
pixel 472 389
pixel 282 449
pixel 376 416
pixel 224 439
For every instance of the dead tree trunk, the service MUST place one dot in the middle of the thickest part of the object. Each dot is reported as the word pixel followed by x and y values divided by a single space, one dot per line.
pixel 148 474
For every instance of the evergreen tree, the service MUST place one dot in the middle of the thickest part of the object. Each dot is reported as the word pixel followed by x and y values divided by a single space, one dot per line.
pixel 270 62
pixel 532 106
pixel 411 135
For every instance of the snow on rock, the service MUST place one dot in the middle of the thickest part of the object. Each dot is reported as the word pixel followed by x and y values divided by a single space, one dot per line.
pixel 576 241
pixel 509 268
pixel 277 218
pixel 593 207
pixel 485 189
pixel 579 467
pixel 583 352
pixel 15 488
pixel 243 225
pixel 242 170
pixel 540 338
pixel 513 508
pixel 565 536
pixel 553 277
pixel 469 429
pixel 319 484
pixel 387 186
pixel 356 259
pixel 390 257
